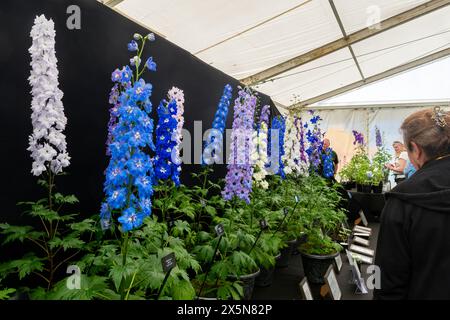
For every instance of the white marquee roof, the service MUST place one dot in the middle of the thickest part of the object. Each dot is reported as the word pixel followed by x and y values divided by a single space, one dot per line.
pixel 301 50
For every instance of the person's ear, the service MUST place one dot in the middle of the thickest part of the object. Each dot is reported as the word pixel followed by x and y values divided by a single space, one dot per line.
pixel 415 149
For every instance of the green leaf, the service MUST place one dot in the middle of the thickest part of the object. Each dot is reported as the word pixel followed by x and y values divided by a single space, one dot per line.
pixel 38 293
pixel 84 226
pixel 42 183
pixel 180 228
pixel 118 272
pixel 211 210
pixel 242 263
pixel 14 233
pixel 183 291
pixel 43 212
pixel 90 288
pixel 5 294
pixel 204 253
pixel 60 199
pixel 69 242
pixel 28 264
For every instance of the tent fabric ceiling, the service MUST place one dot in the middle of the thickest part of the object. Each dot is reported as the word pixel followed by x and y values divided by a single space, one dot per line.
pixel 244 38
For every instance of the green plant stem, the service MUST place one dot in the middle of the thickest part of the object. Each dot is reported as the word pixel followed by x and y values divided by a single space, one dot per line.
pixel 131 286
pixel 66 260
pixel 38 244
pixel 40 275
pixel 209 266
pixel 52 233
pixel 124 261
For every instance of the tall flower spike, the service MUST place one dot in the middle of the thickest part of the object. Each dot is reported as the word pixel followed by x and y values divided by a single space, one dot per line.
pixel 379 139
pixel 304 162
pixel 315 137
pixel 259 155
pixel 214 143
pixel 128 185
pixel 47 143
pixel 291 159
pixel 177 95
pixel 165 167
pixel 278 124
pixel 238 182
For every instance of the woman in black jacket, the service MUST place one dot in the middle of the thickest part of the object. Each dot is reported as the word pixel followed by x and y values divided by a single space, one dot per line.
pixel 413 250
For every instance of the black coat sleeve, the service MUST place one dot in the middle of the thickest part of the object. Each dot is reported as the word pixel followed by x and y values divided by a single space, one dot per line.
pixel 393 252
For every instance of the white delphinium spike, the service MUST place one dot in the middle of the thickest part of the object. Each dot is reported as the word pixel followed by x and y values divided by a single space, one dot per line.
pixel 178 95
pixel 47 143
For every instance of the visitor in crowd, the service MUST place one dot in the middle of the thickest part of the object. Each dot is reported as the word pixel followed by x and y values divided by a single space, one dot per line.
pixel 413 251
pixel 334 156
pixel 400 162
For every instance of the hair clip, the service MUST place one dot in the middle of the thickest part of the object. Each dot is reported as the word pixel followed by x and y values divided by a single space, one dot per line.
pixel 439 117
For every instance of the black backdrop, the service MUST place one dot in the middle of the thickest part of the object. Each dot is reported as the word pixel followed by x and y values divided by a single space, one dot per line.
pixel 86 58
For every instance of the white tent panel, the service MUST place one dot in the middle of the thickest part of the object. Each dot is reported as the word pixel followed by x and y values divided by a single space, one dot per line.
pixel 421 37
pixel 325 74
pixel 197 24
pixel 309 25
pixel 294 33
pixel 357 15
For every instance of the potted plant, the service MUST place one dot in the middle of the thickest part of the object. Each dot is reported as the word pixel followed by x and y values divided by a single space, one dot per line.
pixel 381 157
pixel 323 218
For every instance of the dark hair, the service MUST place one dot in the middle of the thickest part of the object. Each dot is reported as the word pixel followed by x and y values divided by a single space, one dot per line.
pixel 423 128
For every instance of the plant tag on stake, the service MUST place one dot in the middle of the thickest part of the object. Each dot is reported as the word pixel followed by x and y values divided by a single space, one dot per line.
pixel 297 199
pixel 169 262
pixel 263 224
pixel 219 230
pixel 338 261
pixel 105 224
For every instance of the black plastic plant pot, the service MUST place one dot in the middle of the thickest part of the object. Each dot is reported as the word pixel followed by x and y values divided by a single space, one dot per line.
pixel 378 188
pixel 316 266
pixel 265 278
pixel 364 188
pixel 286 254
pixel 248 284
pixel 349 185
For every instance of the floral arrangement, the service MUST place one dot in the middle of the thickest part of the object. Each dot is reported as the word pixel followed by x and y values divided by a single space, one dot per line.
pixel 128 185
pixel 47 143
pixel 259 154
pixel 166 162
pixel 238 182
pixel 315 137
pixel 278 125
pixel 214 146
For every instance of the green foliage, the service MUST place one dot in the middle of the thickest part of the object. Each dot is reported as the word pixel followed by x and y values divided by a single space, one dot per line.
pixel 55 237
pixel 359 169
pixel 28 264
pixel 5 294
